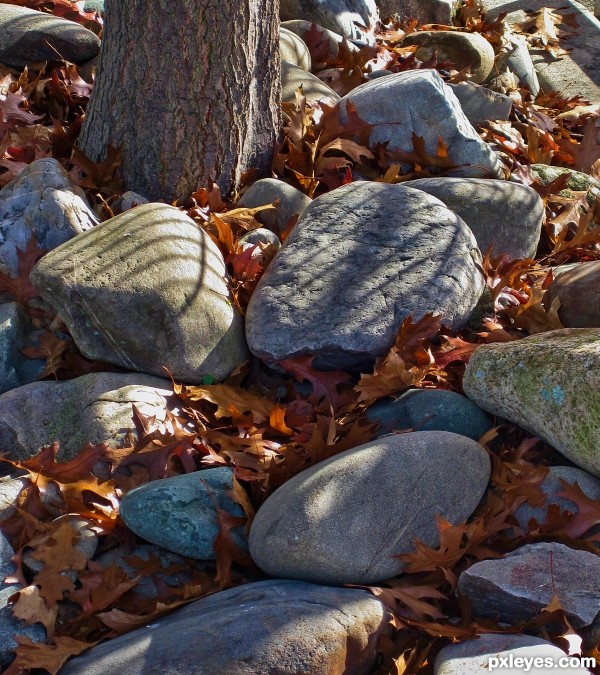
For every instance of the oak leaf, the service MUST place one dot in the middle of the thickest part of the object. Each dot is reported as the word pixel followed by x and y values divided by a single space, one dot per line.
pixel 324 383
pixel 29 606
pixel 49 657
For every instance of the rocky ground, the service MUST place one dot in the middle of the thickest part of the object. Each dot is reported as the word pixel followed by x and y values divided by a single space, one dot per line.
pixel 345 421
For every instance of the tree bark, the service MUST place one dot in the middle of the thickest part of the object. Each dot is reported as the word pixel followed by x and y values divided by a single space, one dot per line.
pixel 189 90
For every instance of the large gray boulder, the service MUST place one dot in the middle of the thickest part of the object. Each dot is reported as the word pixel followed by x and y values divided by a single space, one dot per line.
pixel 284 627
pixel 418 102
pixel 146 290
pixel 578 291
pixel 359 261
pixel 504 215
pixel 481 104
pixel 43 203
pixel 472 657
pixel 353 19
pixel 94 408
pixel 28 36
pixel 344 519
pixel 549 385
pixel 517 587
pixel 180 513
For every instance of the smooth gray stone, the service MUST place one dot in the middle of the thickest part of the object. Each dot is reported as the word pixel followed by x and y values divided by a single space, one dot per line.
pixel 551 486
pixel 28 36
pixel 293 49
pixel 147 290
pixel 547 384
pixel 180 513
pixel 517 587
pixel 146 587
pixel 472 657
pixel 577 181
pixel 342 520
pixel 292 202
pixel 313 88
pixel 42 202
pixel 10 489
pixel 300 27
pixel 359 261
pixel 430 410
pixel 504 215
pixel 353 19
pixel 426 11
pixel 10 626
pixel 459 48
pixel 263 628
pixel 94 408
pixel 419 102
pixel 15 369
pixel 481 104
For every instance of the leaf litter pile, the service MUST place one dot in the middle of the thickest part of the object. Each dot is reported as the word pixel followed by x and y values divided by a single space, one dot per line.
pixel 269 425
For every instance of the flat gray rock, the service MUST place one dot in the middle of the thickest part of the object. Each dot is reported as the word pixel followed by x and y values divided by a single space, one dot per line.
pixel 430 410
pixel 180 513
pixel 517 587
pixel 481 104
pixel 43 203
pixel 359 261
pixel 547 384
pixel 283 627
pixel 10 626
pixel 146 290
pixel 313 88
pixel 28 36
pixel 461 49
pixel 293 49
pixel 342 520
pixel 351 18
pixel 472 657
pixel 504 215
pixel 292 202
pixel 418 102
pixel 94 408
pixel 551 486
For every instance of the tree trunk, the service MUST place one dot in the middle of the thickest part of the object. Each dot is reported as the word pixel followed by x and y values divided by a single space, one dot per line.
pixel 189 90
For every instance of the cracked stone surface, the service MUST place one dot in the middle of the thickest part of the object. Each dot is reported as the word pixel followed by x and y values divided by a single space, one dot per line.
pixel 94 408
pixel 342 520
pixel 359 261
pixel 146 290
pixel 257 629
pixel 180 513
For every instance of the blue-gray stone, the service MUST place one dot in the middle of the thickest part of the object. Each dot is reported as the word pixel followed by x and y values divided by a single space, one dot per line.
pixel 551 486
pixel 430 410
pixel 10 626
pixel 180 513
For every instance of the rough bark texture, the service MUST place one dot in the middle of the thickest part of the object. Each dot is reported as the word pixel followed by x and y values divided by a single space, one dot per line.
pixel 188 90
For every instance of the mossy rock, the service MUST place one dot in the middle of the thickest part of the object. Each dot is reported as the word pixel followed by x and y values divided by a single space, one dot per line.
pixel 548 384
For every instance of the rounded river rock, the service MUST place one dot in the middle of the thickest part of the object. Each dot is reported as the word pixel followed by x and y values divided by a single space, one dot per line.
pixel 343 520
